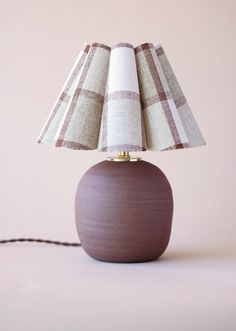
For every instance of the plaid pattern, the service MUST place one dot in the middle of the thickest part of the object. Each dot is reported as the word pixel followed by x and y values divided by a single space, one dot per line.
pixel 79 126
pixel 50 128
pixel 122 99
pixel 194 135
pixel 163 126
pixel 122 125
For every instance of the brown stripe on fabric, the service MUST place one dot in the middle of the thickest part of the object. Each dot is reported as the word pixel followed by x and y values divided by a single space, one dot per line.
pixel 122 45
pixel 159 88
pixel 155 98
pixel 86 67
pixel 141 47
pixel 57 106
pixel 87 48
pixel 76 95
pixel 72 145
pixel 101 46
pixel 124 147
pixel 76 70
pixel 178 146
pixel 143 135
pixel 171 122
pixel 159 50
pixel 121 95
pixel 92 95
pixel 180 101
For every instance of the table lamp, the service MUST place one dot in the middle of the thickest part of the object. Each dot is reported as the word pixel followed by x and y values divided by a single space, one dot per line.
pixel 122 99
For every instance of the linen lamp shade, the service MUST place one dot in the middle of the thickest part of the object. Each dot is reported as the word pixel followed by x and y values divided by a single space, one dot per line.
pixel 122 98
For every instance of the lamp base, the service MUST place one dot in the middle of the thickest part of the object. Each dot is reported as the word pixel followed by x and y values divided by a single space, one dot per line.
pixel 124 211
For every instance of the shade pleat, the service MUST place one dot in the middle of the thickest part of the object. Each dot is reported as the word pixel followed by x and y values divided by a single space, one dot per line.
pixel 122 125
pixel 162 123
pixel 194 135
pixel 81 123
pixel 54 120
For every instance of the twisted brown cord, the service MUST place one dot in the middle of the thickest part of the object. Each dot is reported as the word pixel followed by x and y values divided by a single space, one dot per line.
pixel 55 242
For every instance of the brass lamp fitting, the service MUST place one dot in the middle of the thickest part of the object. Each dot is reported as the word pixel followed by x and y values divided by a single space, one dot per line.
pixel 124 156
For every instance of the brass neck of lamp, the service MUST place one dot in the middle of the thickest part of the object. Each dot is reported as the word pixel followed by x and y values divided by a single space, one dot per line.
pixel 124 156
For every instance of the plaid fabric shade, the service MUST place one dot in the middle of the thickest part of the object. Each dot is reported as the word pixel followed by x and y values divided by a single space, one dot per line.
pixel 122 98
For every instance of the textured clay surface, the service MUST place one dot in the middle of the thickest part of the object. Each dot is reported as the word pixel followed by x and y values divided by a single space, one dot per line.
pixel 124 211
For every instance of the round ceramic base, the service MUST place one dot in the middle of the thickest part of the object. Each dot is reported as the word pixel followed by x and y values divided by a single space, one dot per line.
pixel 124 211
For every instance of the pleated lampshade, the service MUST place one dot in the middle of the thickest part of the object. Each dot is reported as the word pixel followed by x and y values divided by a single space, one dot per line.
pixel 121 98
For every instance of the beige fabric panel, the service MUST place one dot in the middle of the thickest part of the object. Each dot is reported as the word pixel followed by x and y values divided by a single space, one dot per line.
pixel 195 137
pixel 122 118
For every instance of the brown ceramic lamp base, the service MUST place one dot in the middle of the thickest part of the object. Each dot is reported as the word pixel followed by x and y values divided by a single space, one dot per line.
pixel 124 211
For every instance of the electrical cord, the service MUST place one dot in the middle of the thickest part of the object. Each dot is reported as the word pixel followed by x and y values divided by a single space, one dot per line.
pixel 45 241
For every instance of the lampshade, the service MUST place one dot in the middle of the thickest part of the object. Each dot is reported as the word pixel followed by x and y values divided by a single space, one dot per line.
pixel 121 98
